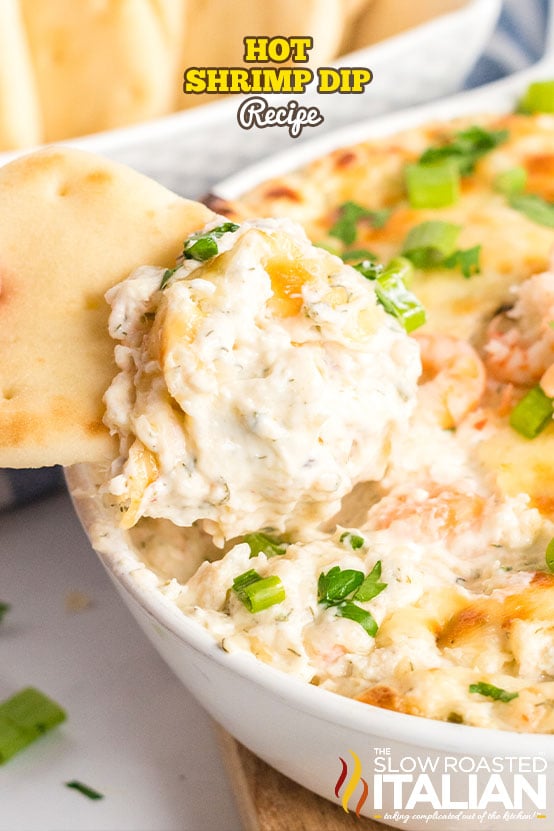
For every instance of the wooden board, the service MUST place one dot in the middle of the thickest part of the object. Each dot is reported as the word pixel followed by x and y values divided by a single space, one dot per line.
pixel 268 801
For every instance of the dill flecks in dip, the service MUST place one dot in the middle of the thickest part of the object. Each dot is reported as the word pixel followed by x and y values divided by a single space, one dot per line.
pixel 258 385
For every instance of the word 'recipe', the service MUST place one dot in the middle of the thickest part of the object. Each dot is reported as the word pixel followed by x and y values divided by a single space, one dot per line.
pixel 275 79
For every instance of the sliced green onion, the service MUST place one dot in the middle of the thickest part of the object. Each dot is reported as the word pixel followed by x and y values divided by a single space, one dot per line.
pixel 334 586
pixel 534 208
pixel 4 609
pixel 84 789
pixel 429 243
pixel 256 592
pixel 398 301
pixel 350 213
pixel 263 593
pixel 391 290
pixel 403 268
pixel 203 244
pixel 490 691
pixel 532 414
pixel 538 98
pixel 433 185
pixel 510 181
pixel 549 555
pixel 263 543
pixel 361 616
pixel 370 269
pixel 167 275
pixel 467 260
pixel 371 586
pixel 23 718
pixel 245 579
pixel 353 540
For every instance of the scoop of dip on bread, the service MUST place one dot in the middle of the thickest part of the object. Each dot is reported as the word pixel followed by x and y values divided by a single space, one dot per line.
pixel 258 382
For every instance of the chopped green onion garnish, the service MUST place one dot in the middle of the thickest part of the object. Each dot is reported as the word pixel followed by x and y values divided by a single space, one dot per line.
pixel 491 691
pixel 361 616
pixel 511 181
pixel 259 543
pixel 391 290
pixel 23 718
pixel 466 148
pixel 433 185
pixel 84 789
pixel 371 586
pixel 353 540
pixel 263 593
pixel 397 300
pixel 356 254
pixel 533 207
pixel 538 98
pixel 4 609
pixel 167 275
pixel 549 556
pixel 334 586
pixel 430 243
pixel 466 260
pixel 245 579
pixel 532 414
pixel 203 245
pixel 350 213
pixel 258 593
pixel 370 269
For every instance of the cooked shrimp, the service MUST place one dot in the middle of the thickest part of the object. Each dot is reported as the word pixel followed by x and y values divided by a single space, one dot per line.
pixel 520 342
pixel 453 378
pixel 429 512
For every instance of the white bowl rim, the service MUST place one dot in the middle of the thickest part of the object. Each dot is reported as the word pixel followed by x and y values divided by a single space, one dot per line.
pixel 374 722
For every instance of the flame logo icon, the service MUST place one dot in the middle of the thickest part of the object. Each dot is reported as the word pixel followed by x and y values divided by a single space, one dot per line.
pixel 351 784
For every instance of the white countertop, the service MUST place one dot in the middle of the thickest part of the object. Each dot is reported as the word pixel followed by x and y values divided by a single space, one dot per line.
pixel 133 731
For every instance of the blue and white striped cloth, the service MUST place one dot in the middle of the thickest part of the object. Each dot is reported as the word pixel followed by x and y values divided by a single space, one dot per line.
pixel 517 42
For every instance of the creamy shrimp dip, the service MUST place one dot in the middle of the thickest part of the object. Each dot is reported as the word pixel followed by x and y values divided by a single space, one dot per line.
pixel 367 509
pixel 256 388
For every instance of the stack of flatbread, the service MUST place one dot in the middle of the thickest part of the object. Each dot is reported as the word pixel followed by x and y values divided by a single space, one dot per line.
pixel 71 68
pixel 71 226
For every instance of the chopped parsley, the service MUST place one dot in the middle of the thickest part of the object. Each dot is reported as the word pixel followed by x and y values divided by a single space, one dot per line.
pixel 350 214
pixel 84 789
pixel 432 244
pixel 467 260
pixel 490 691
pixel 339 588
pixel 466 148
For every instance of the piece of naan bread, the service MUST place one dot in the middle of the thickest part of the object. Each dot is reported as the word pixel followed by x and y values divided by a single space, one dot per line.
pixel 20 118
pixel 101 64
pixel 71 226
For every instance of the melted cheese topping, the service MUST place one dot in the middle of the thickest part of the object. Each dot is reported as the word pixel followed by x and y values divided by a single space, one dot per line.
pixel 460 518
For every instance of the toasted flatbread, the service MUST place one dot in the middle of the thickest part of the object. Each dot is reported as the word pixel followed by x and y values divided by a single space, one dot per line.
pixel 100 65
pixel 71 226
pixel 20 119
pixel 208 43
